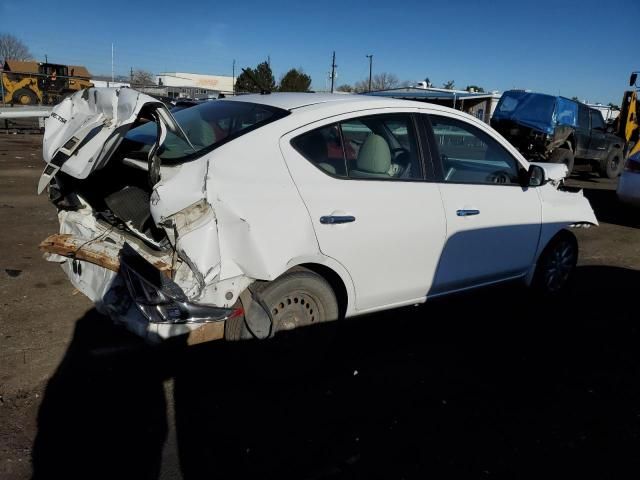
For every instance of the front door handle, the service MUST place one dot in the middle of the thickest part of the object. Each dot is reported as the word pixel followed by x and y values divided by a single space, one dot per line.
pixel 334 219
pixel 467 212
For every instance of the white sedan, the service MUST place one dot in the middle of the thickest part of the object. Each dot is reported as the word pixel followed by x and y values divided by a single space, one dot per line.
pixel 243 217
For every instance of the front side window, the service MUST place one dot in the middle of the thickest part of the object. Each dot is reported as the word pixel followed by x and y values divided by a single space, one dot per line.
pixel 469 155
pixel 379 147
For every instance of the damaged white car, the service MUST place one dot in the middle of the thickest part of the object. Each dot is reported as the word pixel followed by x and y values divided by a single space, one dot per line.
pixel 243 217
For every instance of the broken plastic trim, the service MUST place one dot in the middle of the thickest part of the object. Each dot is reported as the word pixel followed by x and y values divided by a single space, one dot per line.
pixel 160 299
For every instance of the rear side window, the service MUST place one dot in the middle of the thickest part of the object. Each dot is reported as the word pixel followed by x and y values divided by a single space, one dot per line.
pixel 377 147
pixel 596 120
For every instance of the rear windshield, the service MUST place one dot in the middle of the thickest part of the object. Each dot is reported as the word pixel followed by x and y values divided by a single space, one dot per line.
pixel 529 107
pixel 207 126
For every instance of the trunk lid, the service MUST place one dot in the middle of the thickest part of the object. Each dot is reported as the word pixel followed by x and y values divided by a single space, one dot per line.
pixel 85 129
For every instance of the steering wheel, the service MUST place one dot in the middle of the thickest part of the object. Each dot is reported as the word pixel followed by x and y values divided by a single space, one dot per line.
pixel 499 177
pixel 396 152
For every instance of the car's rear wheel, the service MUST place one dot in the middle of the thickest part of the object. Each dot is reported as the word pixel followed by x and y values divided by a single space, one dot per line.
pixel 300 298
pixel 611 167
pixel 556 265
pixel 563 155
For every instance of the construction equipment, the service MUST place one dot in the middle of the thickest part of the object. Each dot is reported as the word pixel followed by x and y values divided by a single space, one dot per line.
pixel 31 83
pixel 628 126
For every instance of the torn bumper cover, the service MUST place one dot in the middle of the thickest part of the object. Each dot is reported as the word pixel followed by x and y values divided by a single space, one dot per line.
pixel 160 299
pixel 135 289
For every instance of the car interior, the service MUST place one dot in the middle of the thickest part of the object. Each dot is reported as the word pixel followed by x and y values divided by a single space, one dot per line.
pixel 381 147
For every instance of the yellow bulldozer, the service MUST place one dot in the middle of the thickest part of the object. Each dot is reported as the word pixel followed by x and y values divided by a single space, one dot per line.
pixel 32 83
pixel 628 123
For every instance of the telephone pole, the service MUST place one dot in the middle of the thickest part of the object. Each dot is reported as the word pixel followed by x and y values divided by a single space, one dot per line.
pixel 112 75
pixel 370 57
pixel 233 87
pixel 333 70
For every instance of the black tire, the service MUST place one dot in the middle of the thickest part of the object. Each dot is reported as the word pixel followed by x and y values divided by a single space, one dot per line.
pixel 300 298
pixel 555 267
pixel 563 155
pixel 611 167
pixel 24 96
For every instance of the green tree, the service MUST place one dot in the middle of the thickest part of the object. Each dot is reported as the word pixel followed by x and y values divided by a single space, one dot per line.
pixel 450 85
pixel 254 80
pixel 474 88
pixel 295 80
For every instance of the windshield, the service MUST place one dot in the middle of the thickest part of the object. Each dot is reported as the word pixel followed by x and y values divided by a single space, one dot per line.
pixel 207 126
pixel 528 107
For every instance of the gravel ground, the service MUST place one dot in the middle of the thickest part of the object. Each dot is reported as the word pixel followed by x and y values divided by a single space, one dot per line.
pixel 489 384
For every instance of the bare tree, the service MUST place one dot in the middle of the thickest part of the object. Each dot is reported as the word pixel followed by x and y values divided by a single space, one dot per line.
pixel 380 81
pixel 12 48
pixel 345 88
pixel 450 85
pixel 143 77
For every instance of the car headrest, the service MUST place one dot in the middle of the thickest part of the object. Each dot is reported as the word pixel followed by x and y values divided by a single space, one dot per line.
pixel 374 155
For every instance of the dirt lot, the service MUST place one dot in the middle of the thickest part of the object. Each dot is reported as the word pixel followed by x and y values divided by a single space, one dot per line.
pixel 489 384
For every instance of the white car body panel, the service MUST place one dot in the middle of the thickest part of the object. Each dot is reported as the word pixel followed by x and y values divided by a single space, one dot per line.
pixel 389 248
pixel 249 210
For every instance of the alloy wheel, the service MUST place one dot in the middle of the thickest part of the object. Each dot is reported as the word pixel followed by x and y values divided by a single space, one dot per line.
pixel 560 264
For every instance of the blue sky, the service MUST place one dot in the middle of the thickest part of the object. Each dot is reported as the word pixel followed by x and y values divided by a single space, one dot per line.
pixel 583 48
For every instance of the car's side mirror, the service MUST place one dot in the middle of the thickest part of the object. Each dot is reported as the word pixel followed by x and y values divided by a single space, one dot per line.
pixel 535 176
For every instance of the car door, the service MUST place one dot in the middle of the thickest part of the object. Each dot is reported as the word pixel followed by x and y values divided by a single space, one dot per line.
pixel 582 135
pixel 493 224
pixel 363 182
pixel 598 142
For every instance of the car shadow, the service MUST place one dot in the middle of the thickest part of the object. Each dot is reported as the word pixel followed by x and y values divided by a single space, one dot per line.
pixel 485 384
pixel 103 413
pixel 609 209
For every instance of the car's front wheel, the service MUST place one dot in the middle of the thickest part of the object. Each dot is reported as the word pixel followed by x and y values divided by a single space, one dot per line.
pixel 556 264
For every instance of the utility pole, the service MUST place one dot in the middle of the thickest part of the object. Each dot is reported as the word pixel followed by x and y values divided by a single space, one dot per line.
pixel 112 74
pixel 46 59
pixel 233 86
pixel 370 57
pixel 333 70
pixel 131 76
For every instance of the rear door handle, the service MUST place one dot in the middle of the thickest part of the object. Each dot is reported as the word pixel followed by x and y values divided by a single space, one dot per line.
pixel 467 212
pixel 334 219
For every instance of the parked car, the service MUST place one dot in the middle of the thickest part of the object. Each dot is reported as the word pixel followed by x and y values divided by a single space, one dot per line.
pixel 629 183
pixel 247 216
pixel 554 129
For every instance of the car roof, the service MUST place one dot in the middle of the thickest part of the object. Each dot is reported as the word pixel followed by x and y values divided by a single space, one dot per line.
pixel 292 101
pixel 317 105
